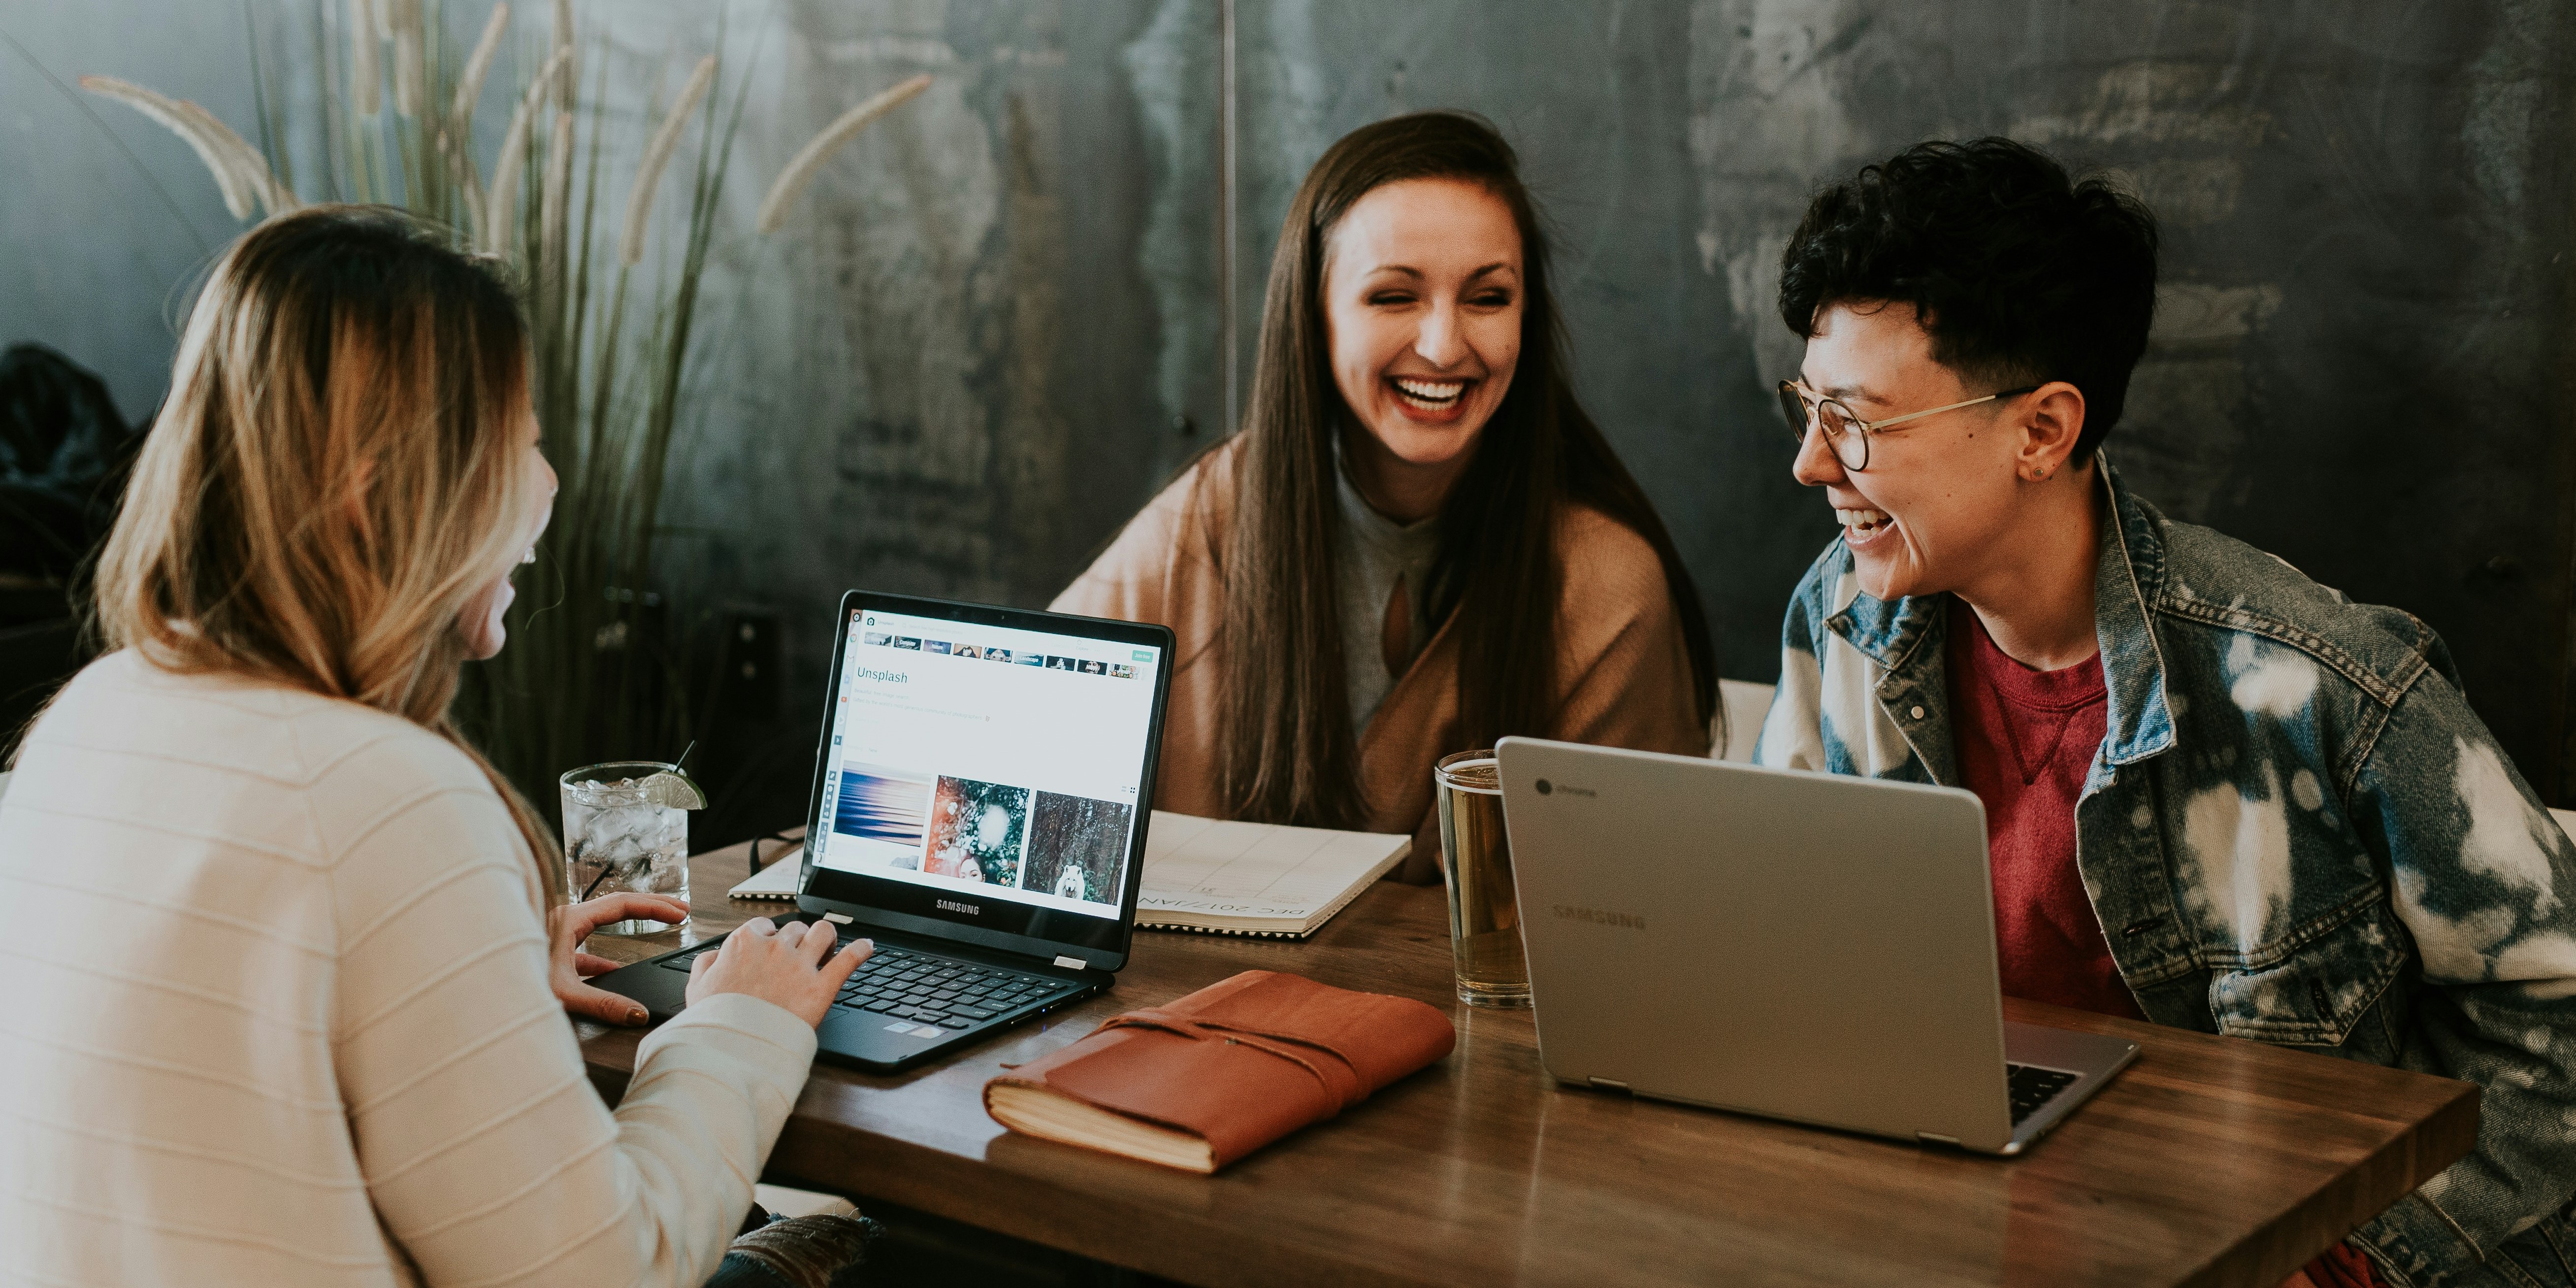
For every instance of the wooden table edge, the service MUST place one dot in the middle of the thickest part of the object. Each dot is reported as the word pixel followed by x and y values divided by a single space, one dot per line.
pixel 1051 1208
pixel 1057 1212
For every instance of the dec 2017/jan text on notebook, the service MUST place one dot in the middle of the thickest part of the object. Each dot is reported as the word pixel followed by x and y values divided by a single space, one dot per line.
pixel 1256 878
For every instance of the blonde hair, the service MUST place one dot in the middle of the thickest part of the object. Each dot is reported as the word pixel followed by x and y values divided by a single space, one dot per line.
pixel 337 472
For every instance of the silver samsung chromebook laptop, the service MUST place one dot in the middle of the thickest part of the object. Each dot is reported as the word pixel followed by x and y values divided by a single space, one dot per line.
pixel 1813 947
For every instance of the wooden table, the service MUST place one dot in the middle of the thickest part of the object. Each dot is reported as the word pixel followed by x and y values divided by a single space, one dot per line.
pixel 2210 1161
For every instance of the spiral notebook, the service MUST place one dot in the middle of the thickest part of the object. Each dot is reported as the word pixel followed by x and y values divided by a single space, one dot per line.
pixel 777 877
pixel 1256 878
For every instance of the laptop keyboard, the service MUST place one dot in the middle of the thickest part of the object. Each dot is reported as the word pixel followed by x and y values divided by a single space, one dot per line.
pixel 2031 1086
pixel 927 988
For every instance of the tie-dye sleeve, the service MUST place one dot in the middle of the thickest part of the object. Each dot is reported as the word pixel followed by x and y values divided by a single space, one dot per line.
pixel 1793 730
pixel 2485 883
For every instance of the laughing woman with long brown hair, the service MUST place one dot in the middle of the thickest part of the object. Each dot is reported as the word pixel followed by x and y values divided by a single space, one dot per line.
pixel 1419 542
pixel 284 1004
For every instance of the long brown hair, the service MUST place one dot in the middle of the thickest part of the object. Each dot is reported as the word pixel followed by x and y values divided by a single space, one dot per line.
pixel 338 470
pixel 1289 751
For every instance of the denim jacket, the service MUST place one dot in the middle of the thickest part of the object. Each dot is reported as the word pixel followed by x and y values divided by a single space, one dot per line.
pixel 2295 831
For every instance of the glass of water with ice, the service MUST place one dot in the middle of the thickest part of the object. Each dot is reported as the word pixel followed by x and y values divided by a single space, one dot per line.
pixel 624 832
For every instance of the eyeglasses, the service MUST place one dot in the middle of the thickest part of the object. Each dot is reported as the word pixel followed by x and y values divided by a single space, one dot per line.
pixel 1846 432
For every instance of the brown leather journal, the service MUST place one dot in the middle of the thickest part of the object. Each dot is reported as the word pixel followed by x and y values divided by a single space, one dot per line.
pixel 1222 1072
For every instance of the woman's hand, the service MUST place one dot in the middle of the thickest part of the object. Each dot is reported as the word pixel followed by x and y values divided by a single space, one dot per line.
pixel 782 964
pixel 568 965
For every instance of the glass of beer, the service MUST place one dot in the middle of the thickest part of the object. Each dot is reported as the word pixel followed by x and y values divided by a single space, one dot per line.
pixel 1476 864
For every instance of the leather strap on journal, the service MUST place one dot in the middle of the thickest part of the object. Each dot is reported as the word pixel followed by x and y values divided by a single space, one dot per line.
pixel 1334 1073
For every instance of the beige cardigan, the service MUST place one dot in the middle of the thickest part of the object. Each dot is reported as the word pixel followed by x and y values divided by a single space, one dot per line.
pixel 1623 673
pixel 277 1014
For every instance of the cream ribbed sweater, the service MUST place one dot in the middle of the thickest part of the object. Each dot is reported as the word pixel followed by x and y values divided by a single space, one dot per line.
pixel 273 1010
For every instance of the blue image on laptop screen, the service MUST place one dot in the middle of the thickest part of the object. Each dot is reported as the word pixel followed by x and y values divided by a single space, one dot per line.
pixel 986 759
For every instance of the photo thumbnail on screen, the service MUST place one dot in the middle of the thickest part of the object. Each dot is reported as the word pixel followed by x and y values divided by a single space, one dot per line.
pixel 1075 845
pixel 886 811
pixel 977 831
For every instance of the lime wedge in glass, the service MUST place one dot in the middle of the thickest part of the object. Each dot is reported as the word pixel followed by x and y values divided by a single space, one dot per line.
pixel 672 789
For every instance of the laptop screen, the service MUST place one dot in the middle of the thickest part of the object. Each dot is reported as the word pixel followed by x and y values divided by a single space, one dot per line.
pixel 988 772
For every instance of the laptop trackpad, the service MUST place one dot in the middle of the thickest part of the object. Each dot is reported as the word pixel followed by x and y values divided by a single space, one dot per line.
pixel 868 1035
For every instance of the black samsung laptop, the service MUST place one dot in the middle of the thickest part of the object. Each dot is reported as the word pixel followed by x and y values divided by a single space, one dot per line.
pixel 979 810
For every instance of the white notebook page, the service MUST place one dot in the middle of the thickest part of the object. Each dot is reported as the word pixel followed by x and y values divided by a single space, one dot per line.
pixel 1202 865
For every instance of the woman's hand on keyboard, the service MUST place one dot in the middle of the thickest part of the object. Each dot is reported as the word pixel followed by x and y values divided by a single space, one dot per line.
pixel 567 965
pixel 792 965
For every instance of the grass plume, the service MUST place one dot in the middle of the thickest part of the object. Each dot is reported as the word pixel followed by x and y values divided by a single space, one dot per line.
pixel 502 214
pixel 366 82
pixel 810 158
pixel 469 86
pixel 657 156
pixel 568 77
pixel 238 172
pixel 410 54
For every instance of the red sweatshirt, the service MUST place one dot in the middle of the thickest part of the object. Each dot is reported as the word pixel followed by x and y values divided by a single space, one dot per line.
pixel 2025 740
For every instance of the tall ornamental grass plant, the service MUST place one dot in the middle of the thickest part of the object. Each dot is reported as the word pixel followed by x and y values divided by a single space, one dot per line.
pixel 594 671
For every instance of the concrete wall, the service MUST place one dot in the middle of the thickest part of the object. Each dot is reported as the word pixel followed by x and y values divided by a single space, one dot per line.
pixel 97 253
pixel 1003 317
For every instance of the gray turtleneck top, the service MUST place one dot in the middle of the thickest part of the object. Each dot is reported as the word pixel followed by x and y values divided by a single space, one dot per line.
pixel 1374 555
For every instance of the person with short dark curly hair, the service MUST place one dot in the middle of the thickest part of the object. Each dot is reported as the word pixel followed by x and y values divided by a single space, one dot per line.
pixel 2219 796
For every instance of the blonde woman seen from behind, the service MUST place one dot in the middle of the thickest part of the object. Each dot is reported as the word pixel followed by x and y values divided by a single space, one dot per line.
pixel 286 1007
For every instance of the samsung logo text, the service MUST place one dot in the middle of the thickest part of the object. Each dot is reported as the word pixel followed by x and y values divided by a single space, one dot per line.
pixel 953 906
pixel 1601 917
